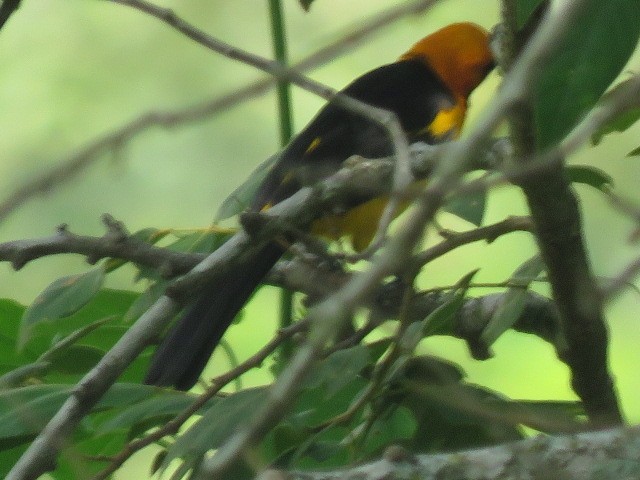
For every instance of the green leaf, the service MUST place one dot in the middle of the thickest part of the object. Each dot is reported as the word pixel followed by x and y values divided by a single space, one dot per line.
pixel 218 423
pixel 527 272
pixel 524 9
pixel 25 411
pixel 145 300
pixel 306 4
pixel 123 394
pixel 558 416
pixel 469 207
pixel 148 235
pixel 323 450
pixel 62 298
pixel 242 196
pixel 312 408
pixel 634 153
pixel 158 409
pixel 389 428
pixel 204 241
pixel 621 122
pixel 442 320
pixel 8 458
pixel 68 358
pixel 592 176
pixel 457 416
pixel 378 348
pixel 10 314
pixel 75 359
pixel 432 370
pixel 107 304
pixel 594 49
pixel 18 375
pixel 513 302
pixel 339 369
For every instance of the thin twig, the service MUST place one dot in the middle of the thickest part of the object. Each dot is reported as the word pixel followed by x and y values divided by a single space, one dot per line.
pixel 41 454
pixel 402 178
pixel 70 167
pixel 217 384
pixel 488 233
pixel 329 315
pixel 555 213
pixel 111 245
pixel 622 280
pixel 570 457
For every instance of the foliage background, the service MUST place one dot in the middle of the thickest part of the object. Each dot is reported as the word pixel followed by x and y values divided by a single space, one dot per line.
pixel 74 69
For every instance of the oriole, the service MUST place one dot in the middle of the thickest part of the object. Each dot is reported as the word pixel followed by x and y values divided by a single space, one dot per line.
pixel 427 88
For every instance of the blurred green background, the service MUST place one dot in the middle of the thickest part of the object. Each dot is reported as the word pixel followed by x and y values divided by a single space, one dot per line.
pixel 74 69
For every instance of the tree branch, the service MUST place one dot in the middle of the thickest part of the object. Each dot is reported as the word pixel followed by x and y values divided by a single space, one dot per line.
pixel 330 314
pixel 554 210
pixel 115 243
pixel 326 315
pixel 217 384
pixel 603 454
pixel 112 141
pixel 300 209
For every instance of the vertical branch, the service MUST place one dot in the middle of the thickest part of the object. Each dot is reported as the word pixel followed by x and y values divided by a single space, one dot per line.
pixel 279 40
pixel 556 215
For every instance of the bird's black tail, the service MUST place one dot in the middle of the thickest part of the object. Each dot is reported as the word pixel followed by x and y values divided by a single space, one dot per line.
pixel 185 351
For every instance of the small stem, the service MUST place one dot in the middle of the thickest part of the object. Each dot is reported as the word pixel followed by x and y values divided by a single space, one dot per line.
pixel 279 39
pixel 278 36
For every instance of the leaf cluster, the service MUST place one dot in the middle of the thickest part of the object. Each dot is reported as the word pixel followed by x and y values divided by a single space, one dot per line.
pixel 362 396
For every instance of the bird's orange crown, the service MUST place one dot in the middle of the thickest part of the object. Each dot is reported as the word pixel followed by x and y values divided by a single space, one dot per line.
pixel 459 53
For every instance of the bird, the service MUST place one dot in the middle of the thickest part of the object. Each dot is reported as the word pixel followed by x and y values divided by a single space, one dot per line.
pixel 428 89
